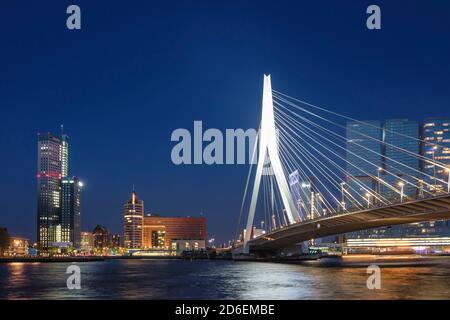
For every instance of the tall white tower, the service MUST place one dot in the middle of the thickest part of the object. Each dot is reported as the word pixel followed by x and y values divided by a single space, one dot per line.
pixel 268 145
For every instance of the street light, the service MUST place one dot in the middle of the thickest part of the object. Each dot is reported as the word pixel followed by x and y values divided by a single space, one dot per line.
pixel 343 195
pixel 401 185
pixel 448 181
pixel 368 199
pixel 379 180
pixel 421 183
pixel 434 167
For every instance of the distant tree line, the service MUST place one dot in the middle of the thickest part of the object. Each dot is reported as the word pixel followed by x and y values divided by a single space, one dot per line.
pixel 4 240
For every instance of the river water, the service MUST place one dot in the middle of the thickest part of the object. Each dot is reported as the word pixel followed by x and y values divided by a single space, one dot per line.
pixel 203 279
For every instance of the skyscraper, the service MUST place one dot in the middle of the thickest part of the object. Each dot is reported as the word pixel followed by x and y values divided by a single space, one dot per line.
pixel 401 138
pixel 363 157
pixel 400 134
pixel 50 171
pixel 71 211
pixel 64 153
pixel 133 222
pixel 436 147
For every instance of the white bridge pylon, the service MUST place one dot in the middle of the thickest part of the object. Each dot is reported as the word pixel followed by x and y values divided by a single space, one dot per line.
pixel 268 145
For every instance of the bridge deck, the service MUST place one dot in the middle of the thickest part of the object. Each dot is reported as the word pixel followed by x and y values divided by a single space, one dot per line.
pixel 436 208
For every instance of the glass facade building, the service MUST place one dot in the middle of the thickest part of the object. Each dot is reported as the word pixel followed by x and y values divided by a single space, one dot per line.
pixel 58 196
pixel 51 161
pixel 71 211
pixel 363 157
pixel 414 173
pixel 402 167
pixel 436 146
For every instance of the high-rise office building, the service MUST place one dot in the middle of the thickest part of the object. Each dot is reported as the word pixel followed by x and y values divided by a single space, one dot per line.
pixel 133 222
pixel 435 137
pixel 364 147
pixel 436 147
pixel 71 211
pixel 52 164
pixel 58 216
pixel 399 167
pixel 374 161
pixel 64 154
pixel 401 138
pixel 400 170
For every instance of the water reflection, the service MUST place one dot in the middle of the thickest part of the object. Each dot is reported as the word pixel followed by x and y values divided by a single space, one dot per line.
pixel 16 279
pixel 169 279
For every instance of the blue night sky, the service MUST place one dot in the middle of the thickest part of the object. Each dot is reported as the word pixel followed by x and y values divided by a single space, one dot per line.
pixel 140 69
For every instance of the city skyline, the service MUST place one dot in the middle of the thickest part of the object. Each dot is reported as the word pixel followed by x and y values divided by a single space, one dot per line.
pixel 415 136
pixel 215 159
pixel 391 168
pixel 131 106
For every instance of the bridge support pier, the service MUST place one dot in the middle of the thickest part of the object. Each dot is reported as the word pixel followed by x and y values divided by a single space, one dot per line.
pixel 298 249
pixel 301 248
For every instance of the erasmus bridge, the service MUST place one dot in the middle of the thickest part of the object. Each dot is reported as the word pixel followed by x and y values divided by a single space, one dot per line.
pixel 316 177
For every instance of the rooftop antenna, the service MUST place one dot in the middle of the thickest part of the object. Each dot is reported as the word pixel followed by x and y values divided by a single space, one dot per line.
pixel 133 196
pixel 62 130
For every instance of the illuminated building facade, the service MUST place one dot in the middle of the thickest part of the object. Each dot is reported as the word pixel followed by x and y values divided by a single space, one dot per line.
pixel 101 237
pixel 133 222
pixel 436 146
pixel 423 245
pixel 407 135
pixel 178 246
pixel 404 134
pixel 71 211
pixel 52 164
pixel 18 246
pixel 364 147
pixel 159 232
pixel 87 241
pixel 116 241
